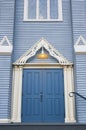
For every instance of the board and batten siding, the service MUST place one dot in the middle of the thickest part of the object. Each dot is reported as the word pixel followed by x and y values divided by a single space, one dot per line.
pixel 79 28
pixel 58 34
pixel 81 87
pixel 6 29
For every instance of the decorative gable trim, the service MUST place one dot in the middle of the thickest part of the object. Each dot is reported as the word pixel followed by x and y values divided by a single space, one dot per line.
pixel 80 48
pixel 52 52
pixel 5 49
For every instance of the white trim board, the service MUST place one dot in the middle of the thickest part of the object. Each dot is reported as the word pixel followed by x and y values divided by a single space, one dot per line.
pixel 4 120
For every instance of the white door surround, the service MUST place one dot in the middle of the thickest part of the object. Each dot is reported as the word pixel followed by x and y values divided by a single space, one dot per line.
pixel 21 63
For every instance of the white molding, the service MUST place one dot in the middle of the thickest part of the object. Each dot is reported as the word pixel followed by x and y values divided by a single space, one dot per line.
pixel 60 16
pixel 42 20
pixel 4 120
pixel 5 49
pixel 37 9
pixel 25 9
pixel 68 87
pixel 80 49
pixel 69 102
pixel 17 94
pixel 48 9
pixel 52 52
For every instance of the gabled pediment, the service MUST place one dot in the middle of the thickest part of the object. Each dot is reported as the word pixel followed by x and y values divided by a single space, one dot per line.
pixel 80 41
pixel 5 46
pixel 48 47
pixel 80 45
pixel 5 42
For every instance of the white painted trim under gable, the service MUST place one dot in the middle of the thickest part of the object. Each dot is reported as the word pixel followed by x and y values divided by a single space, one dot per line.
pixel 60 16
pixel 5 49
pixel 80 49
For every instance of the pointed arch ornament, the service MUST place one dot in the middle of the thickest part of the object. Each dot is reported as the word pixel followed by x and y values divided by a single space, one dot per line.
pixel 51 50
pixel 21 64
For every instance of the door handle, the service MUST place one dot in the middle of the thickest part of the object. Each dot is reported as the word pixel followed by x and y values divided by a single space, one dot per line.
pixel 41 97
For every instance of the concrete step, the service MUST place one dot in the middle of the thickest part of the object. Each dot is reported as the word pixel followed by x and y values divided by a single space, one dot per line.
pixel 42 126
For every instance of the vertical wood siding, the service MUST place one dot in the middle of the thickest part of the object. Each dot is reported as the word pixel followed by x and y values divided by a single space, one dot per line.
pixel 6 29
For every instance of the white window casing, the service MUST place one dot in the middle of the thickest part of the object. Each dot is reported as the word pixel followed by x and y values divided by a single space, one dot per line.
pixel 60 17
pixel 25 10
pixel 48 9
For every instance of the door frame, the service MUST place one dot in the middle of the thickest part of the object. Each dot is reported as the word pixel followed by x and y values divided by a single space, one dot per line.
pixel 69 102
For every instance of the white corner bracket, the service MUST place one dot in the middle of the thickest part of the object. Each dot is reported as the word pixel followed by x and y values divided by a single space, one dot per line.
pixel 5 46
pixel 80 46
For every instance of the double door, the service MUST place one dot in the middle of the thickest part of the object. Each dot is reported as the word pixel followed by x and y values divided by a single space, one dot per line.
pixel 43 95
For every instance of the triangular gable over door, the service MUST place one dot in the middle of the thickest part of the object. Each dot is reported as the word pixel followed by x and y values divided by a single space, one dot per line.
pixel 18 71
pixel 48 47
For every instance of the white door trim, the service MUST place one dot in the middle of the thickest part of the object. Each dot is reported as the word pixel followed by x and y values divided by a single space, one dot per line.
pixel 17 91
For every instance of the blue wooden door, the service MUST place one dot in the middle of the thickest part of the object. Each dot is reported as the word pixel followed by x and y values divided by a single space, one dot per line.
pixel 53 95
pixel 43 95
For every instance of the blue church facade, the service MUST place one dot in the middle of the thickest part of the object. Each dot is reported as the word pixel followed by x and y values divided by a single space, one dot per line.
pixel 33 89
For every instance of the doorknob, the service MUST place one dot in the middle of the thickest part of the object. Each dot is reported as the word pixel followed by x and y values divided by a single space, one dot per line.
pixel 41 96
